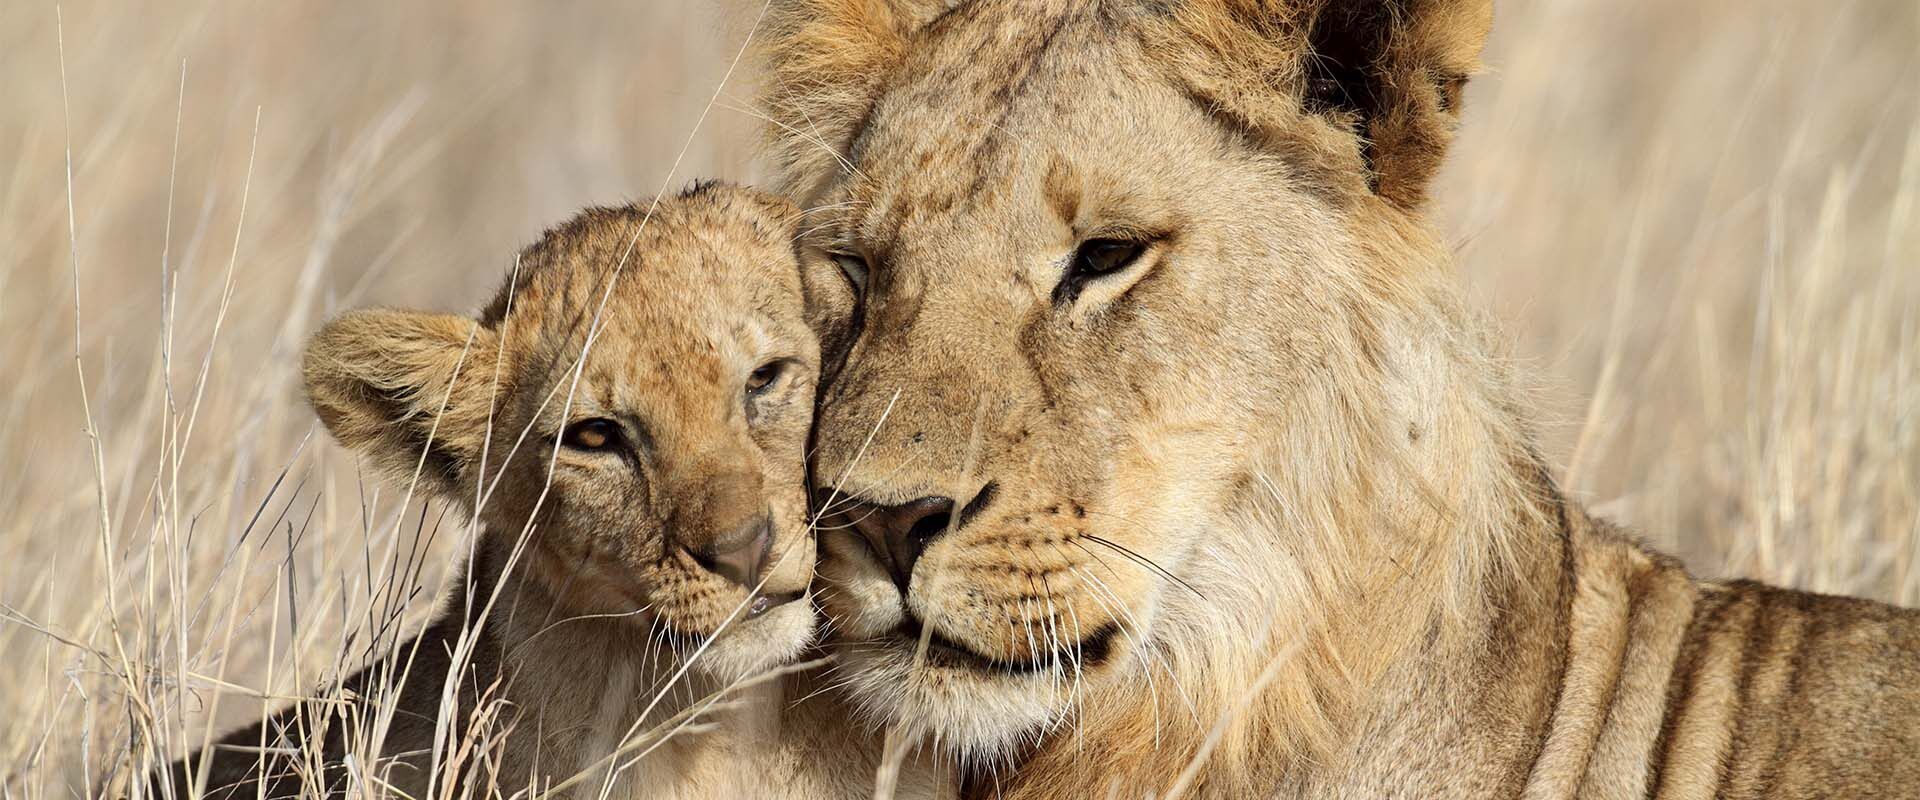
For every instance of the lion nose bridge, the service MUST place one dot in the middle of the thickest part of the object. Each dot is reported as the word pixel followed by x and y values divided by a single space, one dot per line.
pixel 900 420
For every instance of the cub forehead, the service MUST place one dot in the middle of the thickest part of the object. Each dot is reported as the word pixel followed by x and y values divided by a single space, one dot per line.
pixel 710 254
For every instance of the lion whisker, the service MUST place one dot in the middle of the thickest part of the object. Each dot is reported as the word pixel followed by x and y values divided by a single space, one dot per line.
pixel 1127 630
pixel 1143 561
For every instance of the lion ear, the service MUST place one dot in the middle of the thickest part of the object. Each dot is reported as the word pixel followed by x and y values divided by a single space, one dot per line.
pixel 826 61
pixel 1389 71
pixel 407 390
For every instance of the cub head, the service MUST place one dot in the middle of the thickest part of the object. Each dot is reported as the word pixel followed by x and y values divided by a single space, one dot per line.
pixel 1131 271
pixel 634 406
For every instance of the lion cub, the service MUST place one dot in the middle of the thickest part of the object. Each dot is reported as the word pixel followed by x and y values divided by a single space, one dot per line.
pixel 626 422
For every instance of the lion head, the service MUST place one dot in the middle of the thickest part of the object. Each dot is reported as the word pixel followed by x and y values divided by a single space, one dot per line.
pixel 1147 301
pixel 630 414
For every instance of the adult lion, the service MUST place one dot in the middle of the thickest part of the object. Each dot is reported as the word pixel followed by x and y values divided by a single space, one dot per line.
pixel 1178 466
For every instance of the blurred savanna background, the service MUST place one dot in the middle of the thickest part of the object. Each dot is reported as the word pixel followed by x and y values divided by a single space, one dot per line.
pixel 1697 220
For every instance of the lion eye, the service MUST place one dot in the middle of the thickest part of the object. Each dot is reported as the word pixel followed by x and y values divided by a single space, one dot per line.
pixel 855 268
pixel 1101 256
pixel 764 377
pixel 592 435
pixel 1094 259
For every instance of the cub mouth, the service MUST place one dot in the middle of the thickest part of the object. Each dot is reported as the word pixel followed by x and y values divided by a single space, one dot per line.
pixel 757 608
pixel 944 652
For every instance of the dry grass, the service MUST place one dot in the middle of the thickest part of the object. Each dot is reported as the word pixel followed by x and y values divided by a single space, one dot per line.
pixel 1700 219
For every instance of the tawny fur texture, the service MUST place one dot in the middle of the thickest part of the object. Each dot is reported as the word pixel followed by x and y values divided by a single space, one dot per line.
pixel 1250 509
pixel 588 638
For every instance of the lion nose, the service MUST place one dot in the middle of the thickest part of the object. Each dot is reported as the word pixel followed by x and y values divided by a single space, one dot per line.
pixel 740 556
pixel 899 534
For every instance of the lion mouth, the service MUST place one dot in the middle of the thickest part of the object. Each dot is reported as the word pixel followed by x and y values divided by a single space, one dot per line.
pixel 944 652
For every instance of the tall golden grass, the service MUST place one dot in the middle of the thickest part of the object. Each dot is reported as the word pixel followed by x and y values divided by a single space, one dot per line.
pixel 1699 219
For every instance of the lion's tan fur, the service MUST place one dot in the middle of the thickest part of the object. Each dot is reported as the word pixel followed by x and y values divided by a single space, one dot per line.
pixel 1279 457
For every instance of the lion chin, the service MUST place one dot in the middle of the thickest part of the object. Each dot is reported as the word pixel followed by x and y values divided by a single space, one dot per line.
pixel 979 716
pixel 983 710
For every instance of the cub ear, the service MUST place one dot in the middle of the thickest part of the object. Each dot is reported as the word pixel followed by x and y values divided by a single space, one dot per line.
pixel 826 61
pixel 408 390
pixel 1389 71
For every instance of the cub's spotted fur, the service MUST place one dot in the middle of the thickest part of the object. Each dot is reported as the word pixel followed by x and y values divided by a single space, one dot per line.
pixel 626 421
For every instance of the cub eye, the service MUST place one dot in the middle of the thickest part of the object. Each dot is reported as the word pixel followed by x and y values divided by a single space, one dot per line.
pixel 855 268
pixel 1096 258
pixel 765 377
pixel 592 435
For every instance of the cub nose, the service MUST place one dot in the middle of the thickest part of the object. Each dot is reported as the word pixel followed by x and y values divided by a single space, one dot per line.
pixel 899 534
pixel 740 556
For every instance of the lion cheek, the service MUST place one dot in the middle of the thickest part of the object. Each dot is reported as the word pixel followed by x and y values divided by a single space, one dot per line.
pixel 856 595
